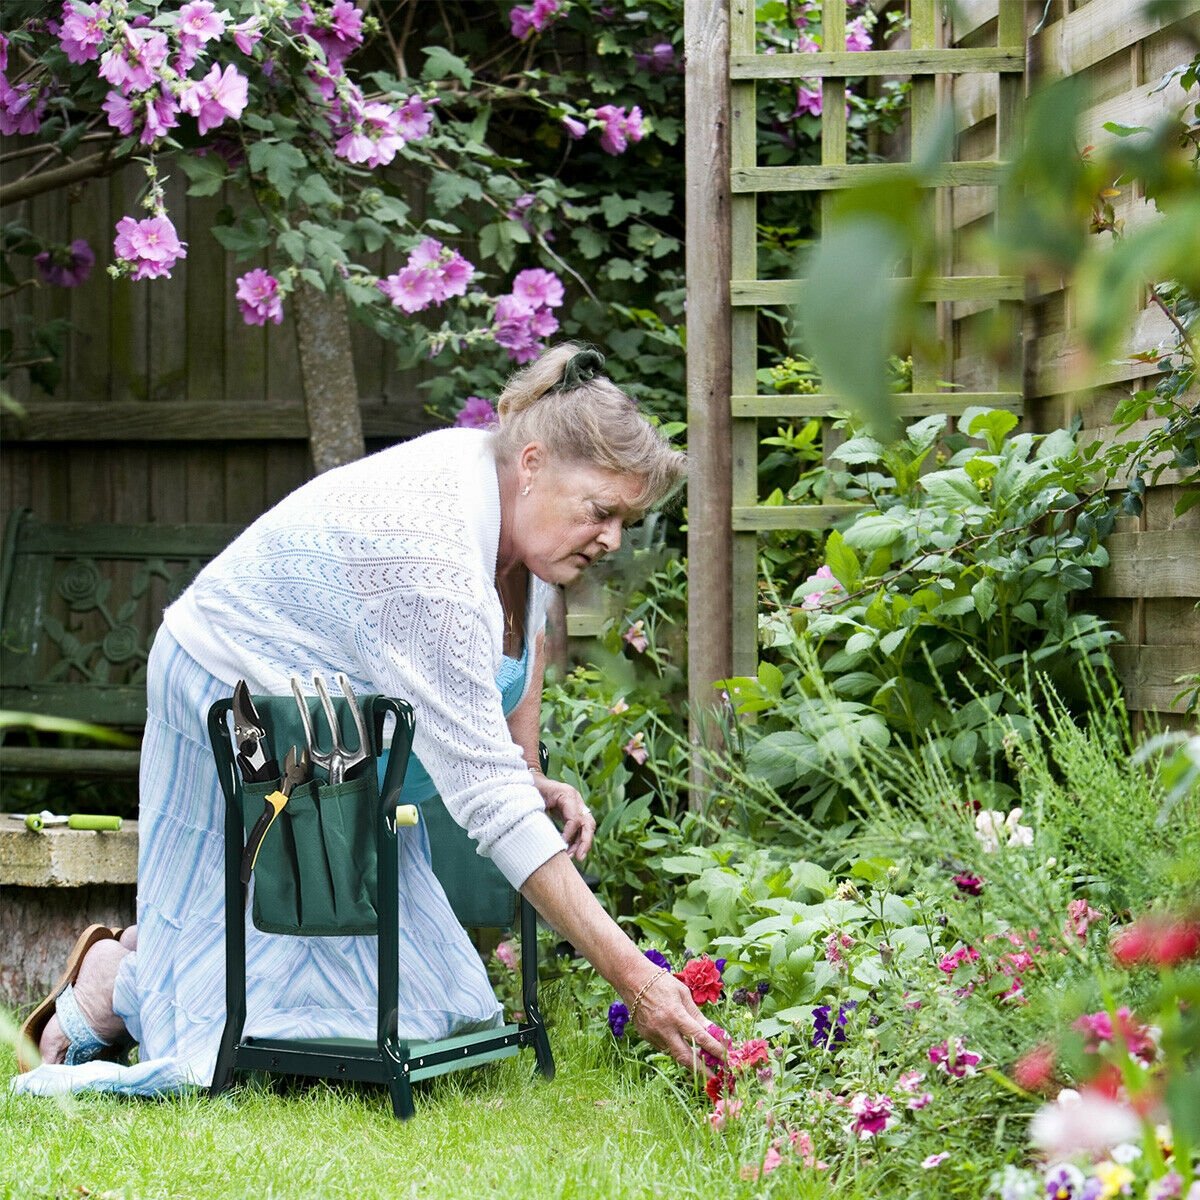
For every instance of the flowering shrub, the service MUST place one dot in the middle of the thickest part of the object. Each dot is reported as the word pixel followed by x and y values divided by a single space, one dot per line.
pixel 315 118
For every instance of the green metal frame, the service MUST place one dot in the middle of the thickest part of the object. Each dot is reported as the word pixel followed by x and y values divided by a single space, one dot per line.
pixel 388 1059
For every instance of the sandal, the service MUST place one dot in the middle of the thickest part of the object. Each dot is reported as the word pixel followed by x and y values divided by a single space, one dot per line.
pixel 83 1039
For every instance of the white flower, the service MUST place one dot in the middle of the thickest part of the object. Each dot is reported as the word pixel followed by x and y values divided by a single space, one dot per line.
pixel 1125 1153
pixel 1088 1124
pixel 991 825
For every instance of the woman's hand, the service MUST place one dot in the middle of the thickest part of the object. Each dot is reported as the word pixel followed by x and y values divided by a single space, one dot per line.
pixel 668 1018
pixel 564 802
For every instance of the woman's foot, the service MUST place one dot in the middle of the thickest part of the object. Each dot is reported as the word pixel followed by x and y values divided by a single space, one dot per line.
pixel 93 989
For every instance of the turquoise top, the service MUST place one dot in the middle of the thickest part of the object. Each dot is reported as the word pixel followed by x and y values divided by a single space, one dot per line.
pixel 418 787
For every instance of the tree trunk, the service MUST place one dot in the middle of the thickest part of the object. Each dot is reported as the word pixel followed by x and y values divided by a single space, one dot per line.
pixel 327 372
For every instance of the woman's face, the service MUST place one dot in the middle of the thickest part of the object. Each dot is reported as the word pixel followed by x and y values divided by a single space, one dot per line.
pixel 574 513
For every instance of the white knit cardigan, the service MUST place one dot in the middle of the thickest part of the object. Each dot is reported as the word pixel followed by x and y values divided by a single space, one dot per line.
pixel 385 569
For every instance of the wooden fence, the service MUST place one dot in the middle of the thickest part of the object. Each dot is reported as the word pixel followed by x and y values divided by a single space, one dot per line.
pixel 980 56
pixel 170 407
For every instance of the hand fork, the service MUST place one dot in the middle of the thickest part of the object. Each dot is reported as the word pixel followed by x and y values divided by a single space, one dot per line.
pixel 339 758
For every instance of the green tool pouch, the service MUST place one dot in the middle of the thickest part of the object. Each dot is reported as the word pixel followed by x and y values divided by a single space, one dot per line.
pixel 317 870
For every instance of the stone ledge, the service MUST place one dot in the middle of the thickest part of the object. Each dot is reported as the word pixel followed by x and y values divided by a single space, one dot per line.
pixel 68 858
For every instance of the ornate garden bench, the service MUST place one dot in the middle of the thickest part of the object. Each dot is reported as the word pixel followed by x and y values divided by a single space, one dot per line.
pixel 79 606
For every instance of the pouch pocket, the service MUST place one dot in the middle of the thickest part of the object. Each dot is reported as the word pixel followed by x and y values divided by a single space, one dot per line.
pixel 317 870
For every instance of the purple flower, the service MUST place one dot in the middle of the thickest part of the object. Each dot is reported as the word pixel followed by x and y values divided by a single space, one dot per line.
pixel 132 64
pixel 857 37
pixel 80 34
pixel 575 129
pixel 258 297
pixel 618 1018
pixel 478 413
pixel 658 958
pixel 808 100
pixel 148 249
pixel 3 53
pixel 827 1032
pixel 66 266
pixel 247 34
pixel 720 964
pixel 1064 1182
pixel 658 60
pixel 21 108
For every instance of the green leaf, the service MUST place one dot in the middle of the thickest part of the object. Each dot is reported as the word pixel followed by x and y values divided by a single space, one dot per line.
pixel 279 162
pixel 984 595
pixel 314 191
pixel 771 678
pixel 859 450
pixel 591 244
pixel 449 189
pixel 617 209
pixel 662 204
pixel 953 489
pixel 860 642
pixel 440 63
pixel 871 533
pixel 207 173
pixel 890 642
pixel 292 244
pixel 842 561
pixel 993 425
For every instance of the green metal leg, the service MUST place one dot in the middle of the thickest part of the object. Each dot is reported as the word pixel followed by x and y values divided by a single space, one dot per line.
pixel 401 1092
pixel 529 982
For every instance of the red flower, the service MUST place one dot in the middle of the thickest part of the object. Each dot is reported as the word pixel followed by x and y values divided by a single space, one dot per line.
pixel 702 979
pixel 1035 1069
pixel 970 885
pixel 718 1085
pixel 749 1053
pixel 1157 941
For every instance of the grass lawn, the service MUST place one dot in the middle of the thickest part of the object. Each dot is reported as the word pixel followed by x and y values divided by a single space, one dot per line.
pixel 599 1130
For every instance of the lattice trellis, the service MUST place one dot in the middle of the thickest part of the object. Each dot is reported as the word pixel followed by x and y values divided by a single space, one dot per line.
pixel 930 67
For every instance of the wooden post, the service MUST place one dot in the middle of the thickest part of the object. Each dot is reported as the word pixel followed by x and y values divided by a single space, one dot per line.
pixel 706 49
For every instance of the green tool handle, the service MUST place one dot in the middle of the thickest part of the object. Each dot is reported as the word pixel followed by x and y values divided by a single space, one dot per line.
pixel 84 821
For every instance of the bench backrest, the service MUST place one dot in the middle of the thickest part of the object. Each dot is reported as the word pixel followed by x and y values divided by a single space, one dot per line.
pixel 80 605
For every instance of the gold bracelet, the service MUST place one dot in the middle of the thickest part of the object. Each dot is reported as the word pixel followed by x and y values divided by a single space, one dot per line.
pixel 644 989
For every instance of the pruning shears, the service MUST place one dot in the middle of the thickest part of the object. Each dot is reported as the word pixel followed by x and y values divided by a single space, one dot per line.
pixel 296 769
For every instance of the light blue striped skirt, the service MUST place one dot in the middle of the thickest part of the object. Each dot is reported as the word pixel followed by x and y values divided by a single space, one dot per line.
pixel 171 990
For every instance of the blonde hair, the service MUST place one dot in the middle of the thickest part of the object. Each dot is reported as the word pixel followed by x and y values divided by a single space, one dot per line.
pixel 592 422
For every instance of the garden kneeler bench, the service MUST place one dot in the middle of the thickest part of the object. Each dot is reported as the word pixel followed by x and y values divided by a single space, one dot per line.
pixel 328 867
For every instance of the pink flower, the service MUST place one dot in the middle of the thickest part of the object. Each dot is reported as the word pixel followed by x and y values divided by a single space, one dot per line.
pixel 835 943
pixel 816 597
pixel 575 129
pixel 538 288
pixel 857 37
pixel 635 637
pixel 455 273
pixel 949 963
pixel 247 34
pixel 806 44
pixel 1080 915
pixel 148 249
pixel 410 289
pixel 132 64
pixel 619 128
pixel 220 94
pixel 66 266
pixel 871 1114
pixel 512 328
pixel 506 955
pixel 120 113
pixel 808 100
pixel 80 34
pixel 3 53
pixel 636 748
pixel 523 21
pixel 414 118
pixel 258 297
pixel 725 1109
pixel 935 1160
pixel 200 22
pixel 476 413
pixel 953 1058
pixel 338 32
pixel 922 1101
pixel 658 60
pixel 1097 1029
pixel 908 1081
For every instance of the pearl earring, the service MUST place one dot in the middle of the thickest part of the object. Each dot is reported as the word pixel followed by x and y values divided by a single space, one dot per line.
pixel 526 491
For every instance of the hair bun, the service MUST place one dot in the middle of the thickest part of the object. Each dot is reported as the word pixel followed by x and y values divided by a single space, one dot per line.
pixel 581 368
